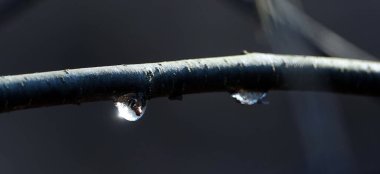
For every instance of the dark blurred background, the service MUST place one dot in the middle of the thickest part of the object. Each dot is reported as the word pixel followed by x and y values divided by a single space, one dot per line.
pixel 298 132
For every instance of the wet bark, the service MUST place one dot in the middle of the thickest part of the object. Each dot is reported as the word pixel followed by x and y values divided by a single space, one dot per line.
pixel 254 71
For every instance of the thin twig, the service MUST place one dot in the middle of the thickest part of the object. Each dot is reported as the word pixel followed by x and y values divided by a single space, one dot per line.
pixel 255 71
pixel 282 12
pixel 9 9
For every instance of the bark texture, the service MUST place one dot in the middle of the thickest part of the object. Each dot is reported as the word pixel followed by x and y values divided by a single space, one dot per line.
pixel 254 71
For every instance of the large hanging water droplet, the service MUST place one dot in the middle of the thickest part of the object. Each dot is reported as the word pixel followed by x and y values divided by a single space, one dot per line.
pixel 249 97
pixel 131 106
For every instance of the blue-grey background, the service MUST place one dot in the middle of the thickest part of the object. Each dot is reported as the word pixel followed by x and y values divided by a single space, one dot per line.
pixel 205 133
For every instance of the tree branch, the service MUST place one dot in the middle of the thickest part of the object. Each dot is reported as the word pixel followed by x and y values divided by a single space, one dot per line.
pixel 256 71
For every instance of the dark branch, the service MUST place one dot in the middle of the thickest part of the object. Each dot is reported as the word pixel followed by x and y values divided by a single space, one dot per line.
pixel 256 71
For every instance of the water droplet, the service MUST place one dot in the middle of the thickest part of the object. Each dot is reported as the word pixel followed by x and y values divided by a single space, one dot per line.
pixel 131 106
pixel 249 97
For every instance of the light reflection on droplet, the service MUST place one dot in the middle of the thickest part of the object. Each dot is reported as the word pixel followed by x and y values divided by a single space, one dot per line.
pixel 249 97
pixel 131 106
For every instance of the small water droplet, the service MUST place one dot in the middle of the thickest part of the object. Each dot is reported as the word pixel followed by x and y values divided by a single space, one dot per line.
pixel 131 106
pixel 249 97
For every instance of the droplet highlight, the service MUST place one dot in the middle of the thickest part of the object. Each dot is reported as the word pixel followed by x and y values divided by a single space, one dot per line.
pixel 249 97
pixel 131 106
